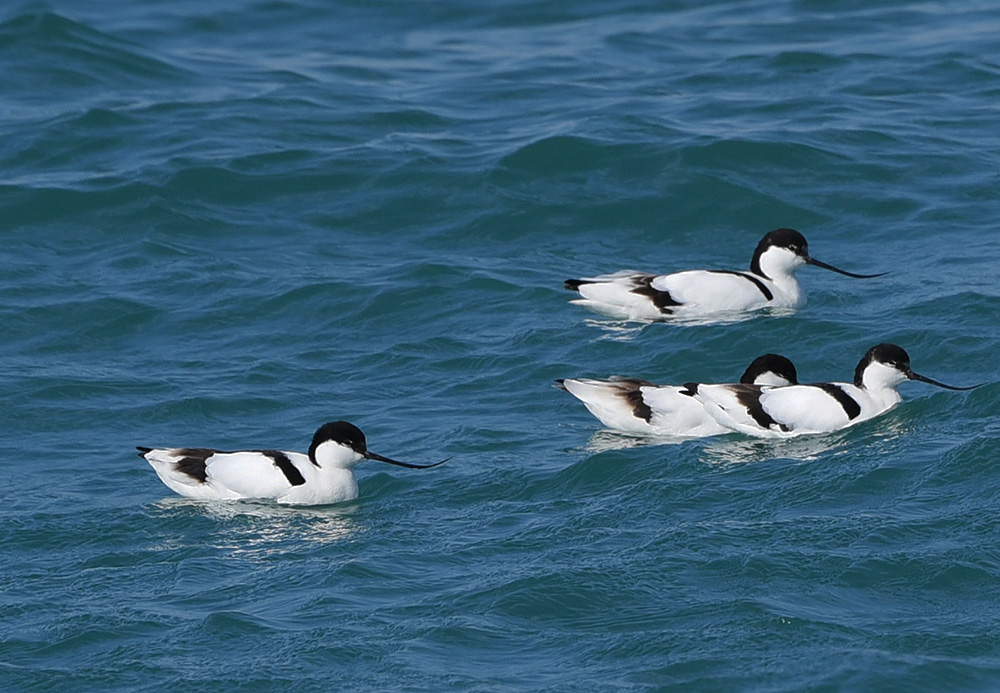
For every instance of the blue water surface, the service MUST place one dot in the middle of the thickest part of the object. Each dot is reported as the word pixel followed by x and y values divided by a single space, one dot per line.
pixel 225 223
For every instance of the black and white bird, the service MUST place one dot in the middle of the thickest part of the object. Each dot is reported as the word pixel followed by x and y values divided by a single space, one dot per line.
pixel 640 407
pixel 324 475
pixel 816 408
pixel 697 294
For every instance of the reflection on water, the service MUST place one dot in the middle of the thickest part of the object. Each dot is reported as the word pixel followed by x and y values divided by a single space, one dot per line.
pixel 607 440
pixel 737 449
pixel 258 528
pixel 616 330
pixel 625 330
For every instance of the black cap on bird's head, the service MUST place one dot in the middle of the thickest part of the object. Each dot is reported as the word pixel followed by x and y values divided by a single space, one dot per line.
pixel 342 432
pixel 792 240
pixel 784 238
pixel 350 436
pixel 770 363
pixel 895 357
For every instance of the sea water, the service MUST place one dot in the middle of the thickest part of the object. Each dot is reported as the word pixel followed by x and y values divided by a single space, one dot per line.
pixel 226 223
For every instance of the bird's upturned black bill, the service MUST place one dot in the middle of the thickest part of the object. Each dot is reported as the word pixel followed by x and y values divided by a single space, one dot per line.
pixel 814 261
pixel 925 379
pixel 372 456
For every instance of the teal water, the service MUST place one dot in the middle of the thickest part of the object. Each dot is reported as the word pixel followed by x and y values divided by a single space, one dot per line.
pixel 226 223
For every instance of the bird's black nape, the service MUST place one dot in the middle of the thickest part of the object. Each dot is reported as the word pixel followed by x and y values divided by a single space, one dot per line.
pixel 770 363
pixel 779 238
pixel 339 432
pixel 792 240
pixel 784 238
pixel 889 354
pixel 350 435
pixel 896 356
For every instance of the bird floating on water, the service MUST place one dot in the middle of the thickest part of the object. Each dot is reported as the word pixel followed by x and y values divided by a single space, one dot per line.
pixel 324 475
pixel 695 294
pixel 817 408
pixel 640 407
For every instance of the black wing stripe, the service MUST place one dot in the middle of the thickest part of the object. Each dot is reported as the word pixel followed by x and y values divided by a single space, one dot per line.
pixel 757 282
pixel 850 405
pixel 282 462
pixel 749 397
pixel 193 462
pixel 663 301
pixel 631 390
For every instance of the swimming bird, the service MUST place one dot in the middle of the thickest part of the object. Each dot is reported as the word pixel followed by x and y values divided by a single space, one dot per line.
pixel 817 408
pixel 770 283
pixel 641 407
pixel 324 475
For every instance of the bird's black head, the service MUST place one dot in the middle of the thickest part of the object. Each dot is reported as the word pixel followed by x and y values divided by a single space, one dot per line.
pixel 790 239
pixel 339 432
pixel 889 354
pixel 896 357
pixel 770 363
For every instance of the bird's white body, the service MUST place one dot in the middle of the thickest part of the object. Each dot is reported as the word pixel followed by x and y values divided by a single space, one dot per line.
pixel 670 413
pixel 324 475
pixel 253 474
pixel 795 409
pixel 699 293
pixel 639 407
pixel 817 408
pixel 696 294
